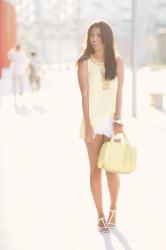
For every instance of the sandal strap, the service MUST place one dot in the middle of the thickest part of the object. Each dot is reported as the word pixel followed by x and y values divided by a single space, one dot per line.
pixel 109 221
pixel 102 218
pixel 104 223
pixel 111 225
pixel 100 228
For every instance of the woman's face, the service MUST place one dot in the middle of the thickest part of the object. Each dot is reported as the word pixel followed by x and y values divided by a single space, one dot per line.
pixel 95 39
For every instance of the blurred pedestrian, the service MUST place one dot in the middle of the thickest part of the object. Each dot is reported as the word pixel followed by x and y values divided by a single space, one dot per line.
pixel 35 71
pixel 18 61
pixel 100 76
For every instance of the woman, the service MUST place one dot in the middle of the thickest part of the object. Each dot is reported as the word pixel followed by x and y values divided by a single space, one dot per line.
pixel 100 76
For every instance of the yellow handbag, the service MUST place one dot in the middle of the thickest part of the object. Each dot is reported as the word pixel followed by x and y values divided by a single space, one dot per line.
pixel 118 157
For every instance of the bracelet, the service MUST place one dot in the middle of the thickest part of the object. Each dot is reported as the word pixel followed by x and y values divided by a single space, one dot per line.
pixel 117 117
pixel 118 121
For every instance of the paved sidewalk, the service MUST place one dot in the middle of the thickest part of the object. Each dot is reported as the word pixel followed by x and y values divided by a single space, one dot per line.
pixel 46 201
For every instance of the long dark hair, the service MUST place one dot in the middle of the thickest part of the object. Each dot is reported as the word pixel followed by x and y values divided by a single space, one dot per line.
pixel 107 39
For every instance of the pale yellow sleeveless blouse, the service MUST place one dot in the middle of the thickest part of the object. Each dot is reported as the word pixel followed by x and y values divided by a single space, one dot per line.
pixel 102 99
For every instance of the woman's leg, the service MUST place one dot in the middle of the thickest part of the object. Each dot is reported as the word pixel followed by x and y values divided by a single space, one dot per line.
pixel 95 173
pixel 113 181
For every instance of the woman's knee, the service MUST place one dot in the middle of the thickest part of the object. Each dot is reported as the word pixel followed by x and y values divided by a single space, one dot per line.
pixel 111 176
pixel 95 173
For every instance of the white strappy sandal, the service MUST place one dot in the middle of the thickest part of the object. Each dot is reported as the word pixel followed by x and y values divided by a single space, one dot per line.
pixel 109 223
pixel 105 227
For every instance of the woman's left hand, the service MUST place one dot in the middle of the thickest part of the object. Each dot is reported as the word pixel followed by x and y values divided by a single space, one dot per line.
pixel 118 128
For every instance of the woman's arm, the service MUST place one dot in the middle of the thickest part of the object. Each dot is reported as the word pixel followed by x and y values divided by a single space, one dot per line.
pixel 118 126
pixel 83 83
pixel 120 77
pixel 84 87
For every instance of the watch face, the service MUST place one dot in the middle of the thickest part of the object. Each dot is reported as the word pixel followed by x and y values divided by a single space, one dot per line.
pixel 119 121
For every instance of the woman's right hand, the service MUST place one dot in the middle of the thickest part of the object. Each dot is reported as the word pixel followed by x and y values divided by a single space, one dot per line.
pixel 89 133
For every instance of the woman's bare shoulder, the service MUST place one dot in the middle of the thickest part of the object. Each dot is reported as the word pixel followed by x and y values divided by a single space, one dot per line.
pixel 83 65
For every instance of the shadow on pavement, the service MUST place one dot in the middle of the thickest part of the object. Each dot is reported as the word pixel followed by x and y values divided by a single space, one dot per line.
pixel 39 109
pixel 108 239
pixel 22 110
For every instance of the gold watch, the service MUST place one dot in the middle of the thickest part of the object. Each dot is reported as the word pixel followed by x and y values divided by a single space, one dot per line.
pixel 118 121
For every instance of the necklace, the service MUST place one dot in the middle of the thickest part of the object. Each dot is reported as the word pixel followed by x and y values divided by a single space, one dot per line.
pixel 96 61
pixel 105 83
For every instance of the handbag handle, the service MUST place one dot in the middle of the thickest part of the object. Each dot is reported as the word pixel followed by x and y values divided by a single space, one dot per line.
pixel 124 136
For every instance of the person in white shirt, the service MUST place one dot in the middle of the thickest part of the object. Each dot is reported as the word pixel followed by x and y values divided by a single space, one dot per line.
pixel 19 62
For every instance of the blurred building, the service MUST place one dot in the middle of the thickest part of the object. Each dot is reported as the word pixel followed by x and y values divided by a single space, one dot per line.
pixel 151 15
pixel 56 28
pixel 161 25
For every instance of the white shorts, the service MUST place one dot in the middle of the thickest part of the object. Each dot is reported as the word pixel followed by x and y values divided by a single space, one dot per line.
pixel 105 127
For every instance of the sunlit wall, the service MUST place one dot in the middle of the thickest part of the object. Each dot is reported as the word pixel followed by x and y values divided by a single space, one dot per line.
pixel 7 31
